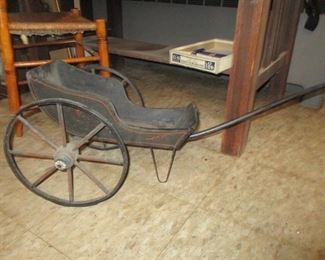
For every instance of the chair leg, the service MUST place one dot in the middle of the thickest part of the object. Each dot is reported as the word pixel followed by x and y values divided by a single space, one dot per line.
pixel 102 44
pixel 8 60
pixel 80 51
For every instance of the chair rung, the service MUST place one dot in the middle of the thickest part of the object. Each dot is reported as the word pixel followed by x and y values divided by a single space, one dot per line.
pixel 23 64
pixel 45 43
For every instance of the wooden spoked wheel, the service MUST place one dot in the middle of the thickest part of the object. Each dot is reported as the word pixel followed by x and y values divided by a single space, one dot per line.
pixel 53 158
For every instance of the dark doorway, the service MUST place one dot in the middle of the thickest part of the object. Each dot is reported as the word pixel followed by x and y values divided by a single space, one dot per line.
pixel 113 14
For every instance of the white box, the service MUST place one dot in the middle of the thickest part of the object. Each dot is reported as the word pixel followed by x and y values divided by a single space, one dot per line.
pixel 213 56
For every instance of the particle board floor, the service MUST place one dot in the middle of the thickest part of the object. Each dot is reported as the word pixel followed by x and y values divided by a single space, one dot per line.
pixel 267 204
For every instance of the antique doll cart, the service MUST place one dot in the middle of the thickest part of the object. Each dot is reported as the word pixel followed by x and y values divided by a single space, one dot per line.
pixel 80 158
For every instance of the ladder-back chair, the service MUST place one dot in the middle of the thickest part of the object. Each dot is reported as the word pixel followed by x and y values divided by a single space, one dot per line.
pixel 46 23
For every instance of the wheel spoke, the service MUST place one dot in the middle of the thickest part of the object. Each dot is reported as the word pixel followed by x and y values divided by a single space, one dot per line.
pixel 70 184
pixel 103 146
pixel 92 178
pixel 31 154
pixel 88 158
pixel 38 132
pixel 113 147
pixel 90 135
pixel 62 124
pixel 48 173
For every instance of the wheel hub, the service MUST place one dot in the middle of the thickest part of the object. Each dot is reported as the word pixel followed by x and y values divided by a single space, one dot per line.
pixel 65 157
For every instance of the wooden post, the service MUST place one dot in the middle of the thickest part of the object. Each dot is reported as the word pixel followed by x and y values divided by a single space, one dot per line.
pixel 278 83
pixel 264 40
pixel 252 17
pixel 102 44
pixel 80 51
pixel 8 60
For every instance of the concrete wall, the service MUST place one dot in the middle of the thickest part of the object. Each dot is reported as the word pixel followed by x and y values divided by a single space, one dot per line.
pixel 100 9
pixel 308 61
pixel 176 23
pixel 179 24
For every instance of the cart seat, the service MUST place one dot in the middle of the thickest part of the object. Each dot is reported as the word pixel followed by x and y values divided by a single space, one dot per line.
pixel 59 79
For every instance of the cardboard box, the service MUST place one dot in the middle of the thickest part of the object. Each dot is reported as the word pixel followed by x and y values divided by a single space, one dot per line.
pixel 213 56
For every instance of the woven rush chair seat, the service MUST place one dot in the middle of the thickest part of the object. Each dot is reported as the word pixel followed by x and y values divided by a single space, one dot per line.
pixel 48 23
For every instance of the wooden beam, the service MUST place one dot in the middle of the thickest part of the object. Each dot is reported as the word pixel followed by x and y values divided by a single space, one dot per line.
pixel 252 17
pixel 266 73
pixel 286 42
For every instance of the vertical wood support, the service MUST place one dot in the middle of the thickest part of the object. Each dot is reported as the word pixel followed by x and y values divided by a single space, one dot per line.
pixel 8 60
pixel 287 41
pixel 252 17
pixel 7 53
pixel 80 51
pixel 264 41
pixel 102 44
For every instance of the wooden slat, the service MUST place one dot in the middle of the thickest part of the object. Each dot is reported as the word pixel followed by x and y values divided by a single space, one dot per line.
pixel 42 44
pixel 286 43
pixel 274 23
pixel 266 73
pixel 24 64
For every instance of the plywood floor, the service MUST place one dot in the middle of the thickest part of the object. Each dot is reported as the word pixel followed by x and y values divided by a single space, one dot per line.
pixel 267 204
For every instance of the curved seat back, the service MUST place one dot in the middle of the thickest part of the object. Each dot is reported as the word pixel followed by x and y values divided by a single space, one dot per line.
pixel 137 125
